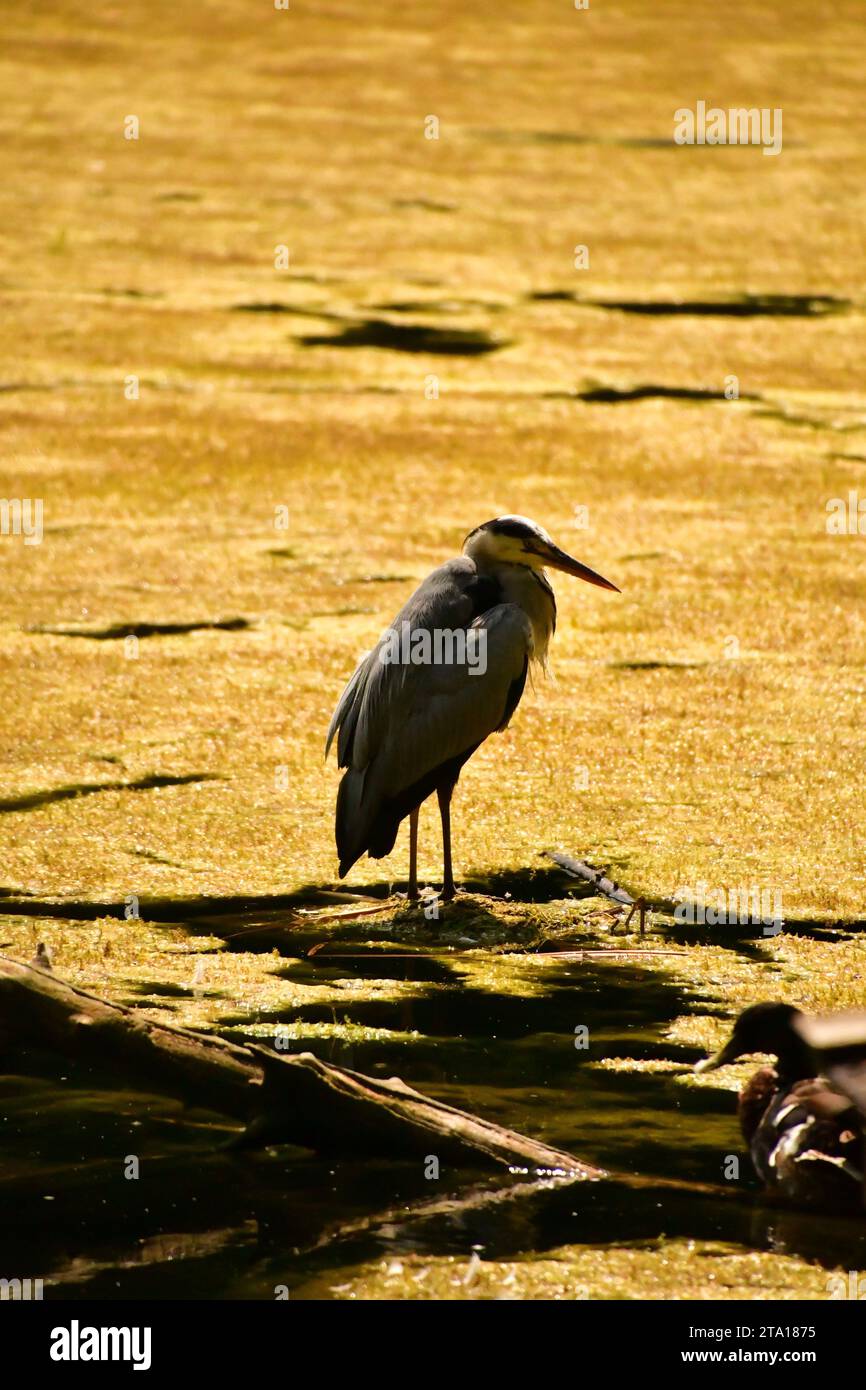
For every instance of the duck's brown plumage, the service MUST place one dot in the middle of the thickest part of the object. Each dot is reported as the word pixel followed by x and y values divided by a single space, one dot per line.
pixel 805 1138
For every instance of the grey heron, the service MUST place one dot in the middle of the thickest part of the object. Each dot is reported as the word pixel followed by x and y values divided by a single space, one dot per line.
pixel 423 700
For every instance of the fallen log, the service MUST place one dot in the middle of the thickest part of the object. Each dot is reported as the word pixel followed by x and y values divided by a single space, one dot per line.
pixel 294 1098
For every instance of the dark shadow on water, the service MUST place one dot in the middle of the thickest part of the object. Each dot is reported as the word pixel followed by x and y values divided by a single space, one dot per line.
pixel 568 137
pixel 439 306
pixel 656 665
pixel 543 884
pixel 294 922
pixel 634 999
pixel 369 964
pixel 423 205
pixel 616 395
pixel 116 632
pixel 167 989
pixel 278 306
pixel 408 337
pixel 589 1213
pixel 743 306
pixel 606 394
pixel 31 800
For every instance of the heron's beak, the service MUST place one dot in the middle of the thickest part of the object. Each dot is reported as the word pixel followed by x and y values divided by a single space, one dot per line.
pixel 729 1053
pixel 558 560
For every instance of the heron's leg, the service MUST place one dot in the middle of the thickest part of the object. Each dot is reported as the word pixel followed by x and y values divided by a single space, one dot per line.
pixel 445 793
pixel 413 853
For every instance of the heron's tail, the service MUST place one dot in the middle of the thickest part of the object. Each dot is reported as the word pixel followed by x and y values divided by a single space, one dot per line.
pixel 350 816
pixel 364 823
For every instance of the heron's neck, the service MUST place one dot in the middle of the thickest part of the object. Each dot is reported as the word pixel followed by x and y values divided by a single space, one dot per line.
pixel 531 591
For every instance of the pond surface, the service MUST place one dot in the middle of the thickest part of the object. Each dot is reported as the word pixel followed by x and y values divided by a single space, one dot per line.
pixel 201 1222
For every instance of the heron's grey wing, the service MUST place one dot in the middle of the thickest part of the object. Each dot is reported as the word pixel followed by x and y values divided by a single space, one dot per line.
pixel 453 708
pixel 444 712
pixel 379 692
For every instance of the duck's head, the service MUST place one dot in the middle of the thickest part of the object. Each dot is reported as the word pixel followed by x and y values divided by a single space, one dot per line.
pixel 766 1028
pixel 515 540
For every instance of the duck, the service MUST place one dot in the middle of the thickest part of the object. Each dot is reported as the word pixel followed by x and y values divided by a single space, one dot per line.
pixel 805 1136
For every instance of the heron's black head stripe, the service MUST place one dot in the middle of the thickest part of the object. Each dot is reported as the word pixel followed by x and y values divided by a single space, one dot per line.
pixel 506 527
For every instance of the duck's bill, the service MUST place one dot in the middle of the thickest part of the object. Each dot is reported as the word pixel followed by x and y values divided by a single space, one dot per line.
pixel 725 1054
pixel 559 560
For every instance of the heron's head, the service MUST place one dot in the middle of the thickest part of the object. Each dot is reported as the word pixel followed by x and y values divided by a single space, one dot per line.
pixel 515 540
pixel 765 1028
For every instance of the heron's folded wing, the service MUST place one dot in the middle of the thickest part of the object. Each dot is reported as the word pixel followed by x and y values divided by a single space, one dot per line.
pixel 380 693
pixel 447 710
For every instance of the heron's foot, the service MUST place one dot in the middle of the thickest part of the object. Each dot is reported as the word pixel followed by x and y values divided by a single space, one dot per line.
pixel 640 907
